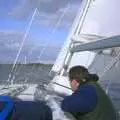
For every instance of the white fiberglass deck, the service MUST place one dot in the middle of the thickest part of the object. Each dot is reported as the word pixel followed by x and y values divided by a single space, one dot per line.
pixel 28 94
pixel 5 89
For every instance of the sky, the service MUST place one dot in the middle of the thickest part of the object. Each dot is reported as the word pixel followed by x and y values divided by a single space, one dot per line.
pixel 49 29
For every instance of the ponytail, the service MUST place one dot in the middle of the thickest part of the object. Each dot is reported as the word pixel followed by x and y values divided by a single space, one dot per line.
pixel 93 77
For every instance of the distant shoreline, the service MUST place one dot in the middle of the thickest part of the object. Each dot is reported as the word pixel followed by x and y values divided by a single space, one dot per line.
pixel 44 63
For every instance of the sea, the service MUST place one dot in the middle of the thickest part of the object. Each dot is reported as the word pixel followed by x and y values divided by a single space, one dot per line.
pixel 33 73
pixel 38 73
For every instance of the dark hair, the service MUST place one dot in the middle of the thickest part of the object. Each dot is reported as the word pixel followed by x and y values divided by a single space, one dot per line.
pixel 81 73
pixel 93 77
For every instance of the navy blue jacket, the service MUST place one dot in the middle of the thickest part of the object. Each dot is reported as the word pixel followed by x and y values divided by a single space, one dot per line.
pixel 29 110
pixel 82 100
pixel 16 109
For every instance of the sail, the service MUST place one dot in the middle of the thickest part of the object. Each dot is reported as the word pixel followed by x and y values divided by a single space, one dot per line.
pixel 64 51
pixel 101 20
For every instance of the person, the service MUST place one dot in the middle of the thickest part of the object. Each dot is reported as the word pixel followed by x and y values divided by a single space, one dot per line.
pixel 6 106
pixel 12 108
pixel 31 110
pixel 88 101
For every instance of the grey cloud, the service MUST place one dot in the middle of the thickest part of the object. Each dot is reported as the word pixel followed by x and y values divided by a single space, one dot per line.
pixel 53 5
pixel 49 10
pixel 51 19
pixel 23 9
pixel 10 42
pixel 48 6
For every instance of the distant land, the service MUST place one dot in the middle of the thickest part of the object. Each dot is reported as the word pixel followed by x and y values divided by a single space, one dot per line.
pixel 35 73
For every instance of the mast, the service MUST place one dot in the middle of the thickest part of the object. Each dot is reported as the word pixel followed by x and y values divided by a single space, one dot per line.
pixel 65 56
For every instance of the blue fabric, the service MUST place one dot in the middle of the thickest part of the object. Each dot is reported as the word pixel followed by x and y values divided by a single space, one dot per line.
pixel 31 110
pixel 82 100
pixel 8 108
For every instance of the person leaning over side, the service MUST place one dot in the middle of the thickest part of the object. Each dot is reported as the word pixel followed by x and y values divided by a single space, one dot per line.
pixel 88 101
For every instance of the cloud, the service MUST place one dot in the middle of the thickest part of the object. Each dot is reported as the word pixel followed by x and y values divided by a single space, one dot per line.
pixel 49 10
pixel 10 42
pixel 23 9
pixel 47 6
pixel 52 19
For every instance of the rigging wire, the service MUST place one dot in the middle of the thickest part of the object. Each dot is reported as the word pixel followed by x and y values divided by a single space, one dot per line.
pixel 27 31
pixel 26 34
pixel 77 29
pixel 23 41
pixel 108 67
pixel 43 50
pixel 48 39
pixel 53 31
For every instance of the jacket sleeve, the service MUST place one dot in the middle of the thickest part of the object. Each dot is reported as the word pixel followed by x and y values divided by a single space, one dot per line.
pixel 83 100
pixel 8 107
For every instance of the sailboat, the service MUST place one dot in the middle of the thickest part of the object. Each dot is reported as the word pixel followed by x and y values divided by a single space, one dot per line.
pixel 93 42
